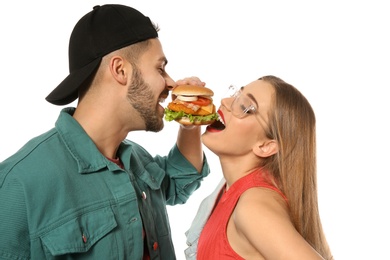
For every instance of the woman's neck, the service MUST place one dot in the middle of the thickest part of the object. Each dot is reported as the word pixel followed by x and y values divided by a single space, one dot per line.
pixel 235 168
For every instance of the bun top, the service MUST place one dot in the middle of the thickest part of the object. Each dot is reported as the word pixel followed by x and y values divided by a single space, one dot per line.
pixel 191 90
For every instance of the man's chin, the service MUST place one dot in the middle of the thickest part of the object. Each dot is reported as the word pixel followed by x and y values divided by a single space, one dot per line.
pixel 154 125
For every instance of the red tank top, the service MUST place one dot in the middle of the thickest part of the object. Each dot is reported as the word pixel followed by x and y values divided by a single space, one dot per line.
pixel 213 242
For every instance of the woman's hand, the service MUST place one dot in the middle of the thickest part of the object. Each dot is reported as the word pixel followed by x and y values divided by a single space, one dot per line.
pixel 191 81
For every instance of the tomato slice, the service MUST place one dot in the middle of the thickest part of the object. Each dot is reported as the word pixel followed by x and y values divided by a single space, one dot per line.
pixel 201 101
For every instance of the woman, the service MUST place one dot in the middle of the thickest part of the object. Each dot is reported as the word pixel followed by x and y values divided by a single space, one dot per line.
pixel 268 207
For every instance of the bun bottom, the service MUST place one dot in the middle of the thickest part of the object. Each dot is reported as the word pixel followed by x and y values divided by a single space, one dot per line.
pixel 186 121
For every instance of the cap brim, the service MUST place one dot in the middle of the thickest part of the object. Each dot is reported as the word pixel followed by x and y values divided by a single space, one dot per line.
pixel 67 91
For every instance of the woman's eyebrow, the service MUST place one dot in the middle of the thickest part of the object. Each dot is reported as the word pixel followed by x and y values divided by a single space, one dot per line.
pixel 250 96
pixel 253 99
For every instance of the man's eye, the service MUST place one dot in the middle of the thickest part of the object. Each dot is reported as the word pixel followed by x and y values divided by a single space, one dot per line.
pixel 161 70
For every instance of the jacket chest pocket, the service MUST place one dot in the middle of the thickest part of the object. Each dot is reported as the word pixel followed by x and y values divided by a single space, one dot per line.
pixel 88 233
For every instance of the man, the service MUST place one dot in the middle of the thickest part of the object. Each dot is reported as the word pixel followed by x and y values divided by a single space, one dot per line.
pixel 81 190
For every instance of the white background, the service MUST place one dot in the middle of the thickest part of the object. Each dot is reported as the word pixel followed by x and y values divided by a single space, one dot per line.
pixel 335 52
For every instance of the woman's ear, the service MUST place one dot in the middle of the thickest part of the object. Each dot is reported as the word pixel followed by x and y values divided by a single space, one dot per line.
pixel 119 69
pixel 266 149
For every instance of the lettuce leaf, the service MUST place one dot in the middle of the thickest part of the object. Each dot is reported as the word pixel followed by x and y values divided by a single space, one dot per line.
pixel 173 115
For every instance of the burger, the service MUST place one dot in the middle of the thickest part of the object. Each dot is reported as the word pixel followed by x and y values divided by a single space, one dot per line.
pixel 191 105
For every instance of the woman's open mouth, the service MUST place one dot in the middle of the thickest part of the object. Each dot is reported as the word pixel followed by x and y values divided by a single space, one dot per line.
pixel 218 125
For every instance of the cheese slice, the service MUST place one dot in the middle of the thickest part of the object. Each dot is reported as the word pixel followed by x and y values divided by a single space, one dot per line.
pixel 208 108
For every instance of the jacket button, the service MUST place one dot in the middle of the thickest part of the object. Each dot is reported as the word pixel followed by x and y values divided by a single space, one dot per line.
pixel 84 238
pixel 144 195
pixel 155 246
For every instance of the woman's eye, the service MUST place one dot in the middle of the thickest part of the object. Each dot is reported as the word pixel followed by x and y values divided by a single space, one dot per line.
pixel 247 109
pixel 250 111
pixel 244 109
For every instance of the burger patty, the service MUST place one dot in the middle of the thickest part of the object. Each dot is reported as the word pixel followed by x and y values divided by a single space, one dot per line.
pixel 181 107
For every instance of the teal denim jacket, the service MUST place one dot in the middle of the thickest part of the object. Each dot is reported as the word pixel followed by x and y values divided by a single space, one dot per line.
pixel 60 198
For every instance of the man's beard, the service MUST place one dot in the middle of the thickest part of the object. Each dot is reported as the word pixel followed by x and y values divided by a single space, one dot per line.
pixel 141 96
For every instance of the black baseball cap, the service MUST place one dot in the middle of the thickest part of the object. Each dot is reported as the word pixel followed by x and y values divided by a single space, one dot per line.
pixel 103 30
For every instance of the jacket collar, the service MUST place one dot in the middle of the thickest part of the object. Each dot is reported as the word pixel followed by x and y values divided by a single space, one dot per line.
pixel 80 145
pixel 90 159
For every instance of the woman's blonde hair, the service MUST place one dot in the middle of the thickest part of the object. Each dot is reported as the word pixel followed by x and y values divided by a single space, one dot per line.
pixel 292 124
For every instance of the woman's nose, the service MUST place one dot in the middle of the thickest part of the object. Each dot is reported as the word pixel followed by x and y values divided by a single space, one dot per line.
pixel 226 103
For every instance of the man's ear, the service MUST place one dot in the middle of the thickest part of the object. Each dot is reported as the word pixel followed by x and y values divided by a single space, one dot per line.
pixel 120 69
pixel 266 149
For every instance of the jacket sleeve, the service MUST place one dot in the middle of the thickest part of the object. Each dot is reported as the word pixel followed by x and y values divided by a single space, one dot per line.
pixel 181 178
pixel 14 231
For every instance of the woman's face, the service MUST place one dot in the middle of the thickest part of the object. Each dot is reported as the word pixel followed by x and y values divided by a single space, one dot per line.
pixel 243 130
